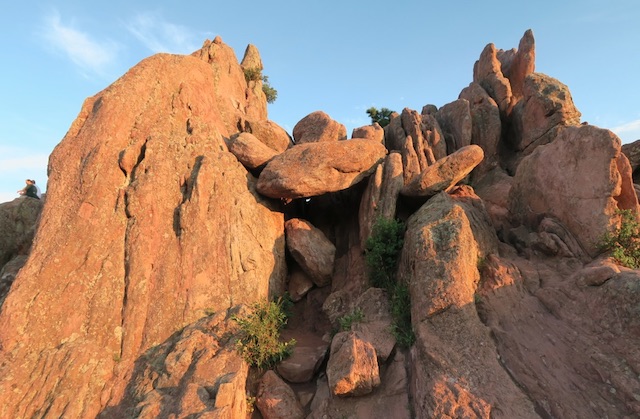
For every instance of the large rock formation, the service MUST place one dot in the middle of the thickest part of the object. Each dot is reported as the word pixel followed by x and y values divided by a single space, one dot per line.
pixel 135 245
pixel 155 236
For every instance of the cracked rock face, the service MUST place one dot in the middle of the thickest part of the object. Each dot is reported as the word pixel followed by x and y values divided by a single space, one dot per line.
pixel 151 223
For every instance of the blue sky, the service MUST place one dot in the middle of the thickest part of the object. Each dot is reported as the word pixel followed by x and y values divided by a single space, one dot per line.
pixel 341 57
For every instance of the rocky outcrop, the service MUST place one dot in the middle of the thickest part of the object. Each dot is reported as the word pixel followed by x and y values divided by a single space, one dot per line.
pixel 312 169
pixel 318 127
pixel 551 182
pixel 439 263
pixel 155 237
pixel 445 173
pixel 133 246
pixel 18 223
pixel 546 104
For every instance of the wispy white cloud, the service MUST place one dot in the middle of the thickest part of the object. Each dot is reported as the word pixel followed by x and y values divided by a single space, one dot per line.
pixel 629 131
pixel 89 54
pixel 158 35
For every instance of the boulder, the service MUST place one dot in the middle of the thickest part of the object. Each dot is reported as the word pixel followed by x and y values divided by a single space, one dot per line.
pixel 412 126
pixel 250 151
pixel 445 173
pixel 251 61
pixel 410 161
pixel 522 64
pixel 632 151
pixel 307 170
pixel 552 182
pixel 486 127
pixel 276 400
pixel 298 283
pixel 318 127
pixel 376 326
pixel 372 132
pixel 487 72
pixel 456 124
pixel 381 195
pixel 306 358
pixel 311 250
pixel 353 367
pixel 389 400
pixel 269 133
pixel 546 104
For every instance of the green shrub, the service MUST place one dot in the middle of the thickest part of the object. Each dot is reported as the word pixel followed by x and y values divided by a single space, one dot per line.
pixel 382 116
pixel 381 255
pixel 382 251
pixel 624 242
pixel 347 320
pixel 259 342
pixel 255 74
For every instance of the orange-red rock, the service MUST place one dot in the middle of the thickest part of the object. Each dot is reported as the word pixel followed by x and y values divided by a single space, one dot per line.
pixel 318 127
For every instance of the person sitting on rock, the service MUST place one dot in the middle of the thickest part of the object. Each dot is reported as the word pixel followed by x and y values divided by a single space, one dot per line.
pixel 33 182
pixel 29 190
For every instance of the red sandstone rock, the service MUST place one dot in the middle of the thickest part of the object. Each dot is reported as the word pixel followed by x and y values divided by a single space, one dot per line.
pixel 353 367
pixel 488 73
pixel 276 400
pixel 269 133
pixel 445 173
pixel 455 121
pixel 305 360
pixel 318 127
pixel 311 249
pixel 250 151
pixel 372 132
pixel 149 224
pixel 553 181
pixel 312 169
pixel 486 127
pixel 298 283
pixel 546 104
pixel 523 64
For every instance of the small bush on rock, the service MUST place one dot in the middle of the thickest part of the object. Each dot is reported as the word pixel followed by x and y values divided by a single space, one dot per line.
pixel 624 243
pixel 259 342
pixel 381 256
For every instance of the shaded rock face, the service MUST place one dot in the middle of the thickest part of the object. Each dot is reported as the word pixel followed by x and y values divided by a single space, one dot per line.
pixel 134 245
pixel 551 181
pixel 18 223
pixel 314 253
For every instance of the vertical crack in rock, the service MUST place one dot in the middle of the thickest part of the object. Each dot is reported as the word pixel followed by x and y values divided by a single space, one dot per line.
pixel 186 189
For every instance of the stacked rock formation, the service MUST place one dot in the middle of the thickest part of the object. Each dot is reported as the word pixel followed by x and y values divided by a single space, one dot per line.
pixel 174 204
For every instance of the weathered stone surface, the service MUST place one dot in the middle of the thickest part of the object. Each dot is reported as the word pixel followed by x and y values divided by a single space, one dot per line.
pixel 307 170
pixel 410 161
pixel 381 195
pixel 439 262
pixel 523 64
pixel 487 72
pixel 545 105
pixel 493 189
pixel 479 219
pixel 18 223
pixel 433 135
pixel 250 151
pixel 632 151
pixel 455 121
pixel 376 325
pixel 486 127
pixel 311 250
pixel 269 133
pixel 251 61
pixel 412 126
pixel 551 181
pixel 8 274
pixel 196 372
pixel 298 283
pixel 276 400
pixel 353 367
pixel 133 246
pixel 318 127
pixel 445 173
pixel 372 132
pixel 305 360
pixel 389 400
